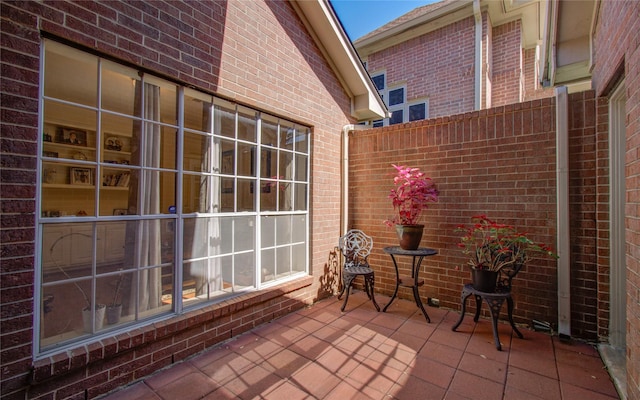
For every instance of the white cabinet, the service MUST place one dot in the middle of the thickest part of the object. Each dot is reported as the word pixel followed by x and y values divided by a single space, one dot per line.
pixel 56 246
pixel 81 244
pixel 113 242
pixel 72 244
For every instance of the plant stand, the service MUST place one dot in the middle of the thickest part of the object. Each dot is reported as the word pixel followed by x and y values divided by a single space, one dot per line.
pixel 494 301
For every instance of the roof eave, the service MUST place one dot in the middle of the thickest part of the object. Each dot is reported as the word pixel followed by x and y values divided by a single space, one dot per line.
pixel 414 27
pixel 325 28
pixel 561 63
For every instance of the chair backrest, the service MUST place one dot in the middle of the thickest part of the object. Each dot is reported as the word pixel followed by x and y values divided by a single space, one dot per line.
pixel 356 246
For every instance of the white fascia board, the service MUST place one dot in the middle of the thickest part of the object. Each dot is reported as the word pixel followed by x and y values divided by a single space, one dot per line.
pixel 419 26
pixel 323 25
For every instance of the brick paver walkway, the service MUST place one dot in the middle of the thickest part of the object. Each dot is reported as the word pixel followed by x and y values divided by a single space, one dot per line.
pixel 321 353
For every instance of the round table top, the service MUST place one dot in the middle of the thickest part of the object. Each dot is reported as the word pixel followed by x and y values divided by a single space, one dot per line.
pixel 420 251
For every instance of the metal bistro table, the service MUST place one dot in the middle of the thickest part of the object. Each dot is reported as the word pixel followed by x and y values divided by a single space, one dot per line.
pixel 414 281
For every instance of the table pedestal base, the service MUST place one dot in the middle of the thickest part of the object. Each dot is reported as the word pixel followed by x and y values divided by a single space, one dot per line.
pixel 412 282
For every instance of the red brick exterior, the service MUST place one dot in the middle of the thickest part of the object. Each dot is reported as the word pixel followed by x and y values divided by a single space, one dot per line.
pixel 440 66
pixel 588 211
pixel 506 68
pixel 617 53
pixel 257 53
pixel 531 81
pixel 442 73
pixel 499 162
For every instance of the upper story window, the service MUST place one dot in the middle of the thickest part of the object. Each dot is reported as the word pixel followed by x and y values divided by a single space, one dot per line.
pixel 395 98
pixel 155 198
pixel 397 117
pixel 378 80
pixel 417 111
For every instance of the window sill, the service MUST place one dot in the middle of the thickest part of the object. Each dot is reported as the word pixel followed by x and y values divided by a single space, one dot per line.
pixel 207 319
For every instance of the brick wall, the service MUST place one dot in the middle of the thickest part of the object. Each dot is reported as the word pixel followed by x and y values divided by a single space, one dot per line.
pixel 507 64
pixel 438 65
pixel 532 88
pixel 602 215
pixel 499 162
pixel 584 176
pixel 617 54
pixel 257 53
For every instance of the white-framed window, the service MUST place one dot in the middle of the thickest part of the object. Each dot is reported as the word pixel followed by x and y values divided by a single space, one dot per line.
pixel 155 198
pixel 418 110
pixel 395 98
pixel 380 81
pixel 396 102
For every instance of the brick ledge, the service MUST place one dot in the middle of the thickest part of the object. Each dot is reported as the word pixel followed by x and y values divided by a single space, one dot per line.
pixel 69 360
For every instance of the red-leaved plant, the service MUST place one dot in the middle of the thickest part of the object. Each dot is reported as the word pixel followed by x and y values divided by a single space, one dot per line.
pixel 412 192
pixel 493 246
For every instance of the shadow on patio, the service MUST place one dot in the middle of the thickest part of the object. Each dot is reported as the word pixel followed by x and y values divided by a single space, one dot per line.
pixel 321 353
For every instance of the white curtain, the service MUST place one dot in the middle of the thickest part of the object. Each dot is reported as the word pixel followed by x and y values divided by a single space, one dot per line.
pixel 148 244
pixel 208 229
pixel 215 235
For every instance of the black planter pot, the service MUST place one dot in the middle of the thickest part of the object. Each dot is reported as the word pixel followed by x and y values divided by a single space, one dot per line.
pixel 484 280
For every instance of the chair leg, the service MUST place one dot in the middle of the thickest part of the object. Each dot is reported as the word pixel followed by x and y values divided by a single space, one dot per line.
pixel 347 281
pixel 346 298
pixel 369 281
pixel 368 286
pixel 463 297
pixel 344 287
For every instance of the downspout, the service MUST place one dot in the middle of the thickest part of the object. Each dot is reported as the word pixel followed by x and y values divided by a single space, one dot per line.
pixel 477 13
pixel 552 52
pixel 562 192
pixel 344 192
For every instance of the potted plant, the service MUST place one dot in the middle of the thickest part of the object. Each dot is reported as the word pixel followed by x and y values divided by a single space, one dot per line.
pixel 493 246
pixel 87 311
pixel 412 193
pixel 114 309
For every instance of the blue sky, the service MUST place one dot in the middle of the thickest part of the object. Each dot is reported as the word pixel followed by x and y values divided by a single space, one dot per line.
pixel 360 17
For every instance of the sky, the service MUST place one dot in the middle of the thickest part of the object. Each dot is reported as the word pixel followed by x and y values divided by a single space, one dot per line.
pixel 359 17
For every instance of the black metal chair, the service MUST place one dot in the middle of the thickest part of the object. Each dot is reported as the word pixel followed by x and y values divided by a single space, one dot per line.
pixel 356 246
pixel 494 300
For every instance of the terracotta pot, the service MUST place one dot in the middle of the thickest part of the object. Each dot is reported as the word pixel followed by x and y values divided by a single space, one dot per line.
pixel 484 280
pixel 409 236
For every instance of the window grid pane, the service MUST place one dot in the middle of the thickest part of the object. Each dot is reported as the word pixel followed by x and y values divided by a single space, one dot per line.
pixel 378 80
pixel 124 172
pixel 396 117
pixel 417 112
pixel 396 97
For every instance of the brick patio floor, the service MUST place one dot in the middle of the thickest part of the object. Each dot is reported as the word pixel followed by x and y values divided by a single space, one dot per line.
pixel 321 353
